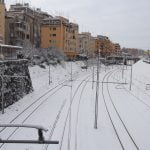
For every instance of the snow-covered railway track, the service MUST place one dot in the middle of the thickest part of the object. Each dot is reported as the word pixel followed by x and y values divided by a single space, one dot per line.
pixel 68 113
pixel 117 122
pixel 55 124
pixel 77 118
pixel 34 102
pixel 136 97
pixel 22 117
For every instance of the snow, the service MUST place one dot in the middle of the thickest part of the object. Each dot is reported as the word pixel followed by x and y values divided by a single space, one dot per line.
pixel 51 111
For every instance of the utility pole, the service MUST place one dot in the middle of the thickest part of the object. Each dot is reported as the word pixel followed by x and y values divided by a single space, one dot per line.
pixel 50 81
pixel 49 74
pixel 93 73
pixel 97 93
pixel 71 72
pixel 70 110
pixel 49 69
pixel 123 68
pixel 105 63
pixel 131 77
pixel 93 77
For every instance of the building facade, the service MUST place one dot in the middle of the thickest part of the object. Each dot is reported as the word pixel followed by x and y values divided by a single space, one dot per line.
pixel 92 46
pixel 104 45
pixel 87 43
pixel 117 49
pixel 2 21
pixel 58 32
pixel 23 24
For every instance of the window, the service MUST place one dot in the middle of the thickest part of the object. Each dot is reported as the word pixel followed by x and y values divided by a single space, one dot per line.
pixel 28 36
pixel 54 28
pixel 54 34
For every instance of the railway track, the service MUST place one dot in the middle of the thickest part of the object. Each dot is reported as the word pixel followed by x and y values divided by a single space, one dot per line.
pixel 55 124
pixel 78 107
pixel 59 114
pixel 107 76
pixel 68 112
pixel 77 119
pixel 34 109
pixel 33 103
pixel 137 98
pixel 76 124
pixel 34 106
pixel 109 115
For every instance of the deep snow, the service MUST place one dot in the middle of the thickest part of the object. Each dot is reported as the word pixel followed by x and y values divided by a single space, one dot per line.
pixel 133 107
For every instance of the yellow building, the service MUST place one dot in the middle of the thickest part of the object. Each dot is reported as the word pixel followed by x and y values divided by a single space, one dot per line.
pixel 2 21
pixel 58 32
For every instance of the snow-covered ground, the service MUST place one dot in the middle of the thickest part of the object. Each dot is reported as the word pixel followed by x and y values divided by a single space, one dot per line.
pixel 67 109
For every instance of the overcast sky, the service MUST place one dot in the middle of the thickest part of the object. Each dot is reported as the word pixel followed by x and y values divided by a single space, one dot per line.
pixel 124 21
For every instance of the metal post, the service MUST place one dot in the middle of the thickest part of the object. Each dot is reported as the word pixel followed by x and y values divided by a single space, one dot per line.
pixel 123 69
pixel 2 92
pixel 93 78
pixel 70 110
pixel 93 74
pixel 49 74
pixel 71 71
pixel 131 78
pixel 49 63
pixel 87 61
pixel 105 63
pixel 97 93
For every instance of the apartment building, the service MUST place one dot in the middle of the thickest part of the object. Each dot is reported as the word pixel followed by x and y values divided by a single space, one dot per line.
pixel 117 49
pixel 92 46
pixel 58 32
pixel 104 45
pixel 2 21
pixel 84 42
pixel 23 24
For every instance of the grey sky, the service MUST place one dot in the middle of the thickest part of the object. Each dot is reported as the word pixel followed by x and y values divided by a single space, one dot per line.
pixel 124 21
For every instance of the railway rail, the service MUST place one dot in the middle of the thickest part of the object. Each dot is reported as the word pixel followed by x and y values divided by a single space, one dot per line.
pixel 68 112
pixel 29 114
pixel 77 118
pixel 107 76
pixel 137 98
